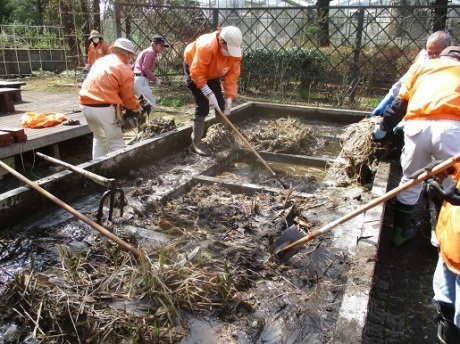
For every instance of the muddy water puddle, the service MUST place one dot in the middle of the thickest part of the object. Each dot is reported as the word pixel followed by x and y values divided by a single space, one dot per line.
pixel 301 178
pixel 211 238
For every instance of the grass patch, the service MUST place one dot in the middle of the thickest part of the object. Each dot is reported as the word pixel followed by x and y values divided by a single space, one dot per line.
pixel 171 101
pixel 51 82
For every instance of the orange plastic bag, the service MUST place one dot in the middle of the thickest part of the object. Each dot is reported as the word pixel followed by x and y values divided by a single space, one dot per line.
pixel 41 120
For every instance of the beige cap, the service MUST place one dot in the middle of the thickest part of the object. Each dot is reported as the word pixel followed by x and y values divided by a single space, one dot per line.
pixel 233 37
pixel 124 44
pixel 95 34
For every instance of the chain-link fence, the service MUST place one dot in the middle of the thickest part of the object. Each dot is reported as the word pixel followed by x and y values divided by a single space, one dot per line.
pixel 335 55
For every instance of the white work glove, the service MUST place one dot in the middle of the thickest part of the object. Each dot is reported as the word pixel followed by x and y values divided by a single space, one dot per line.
pixel 213 101
pixel 228 106
pixel 211 96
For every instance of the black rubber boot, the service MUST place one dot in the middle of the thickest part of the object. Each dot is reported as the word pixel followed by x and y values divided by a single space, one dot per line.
pixel 447 332
pixel 402 231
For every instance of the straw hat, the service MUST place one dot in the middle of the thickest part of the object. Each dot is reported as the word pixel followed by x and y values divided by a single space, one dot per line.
pixel 95 34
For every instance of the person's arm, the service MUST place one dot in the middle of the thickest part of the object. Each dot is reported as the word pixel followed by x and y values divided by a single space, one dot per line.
pixel 105 48
pixel 126 90
pixel 90 56
pixel 380 109
pixel 392 115
pixel 200 64
pixel 230 83
pixel 449 193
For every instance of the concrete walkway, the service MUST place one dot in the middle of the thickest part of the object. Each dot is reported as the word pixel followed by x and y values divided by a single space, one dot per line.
pixel 401 309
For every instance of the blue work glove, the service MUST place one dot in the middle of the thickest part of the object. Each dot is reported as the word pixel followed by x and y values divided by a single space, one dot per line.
pixel 380 109
pixel 450 193
pixel 378 133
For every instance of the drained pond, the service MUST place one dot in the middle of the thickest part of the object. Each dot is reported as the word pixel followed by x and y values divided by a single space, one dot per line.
pixel 203 226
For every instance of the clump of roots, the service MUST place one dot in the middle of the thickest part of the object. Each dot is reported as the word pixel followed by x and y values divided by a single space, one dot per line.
pixel 360 152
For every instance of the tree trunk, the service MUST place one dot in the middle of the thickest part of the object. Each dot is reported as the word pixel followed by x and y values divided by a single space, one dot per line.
pixel 96 15
pixel 86 27
pixel 440 15
pixel 323 23
pixel 40 10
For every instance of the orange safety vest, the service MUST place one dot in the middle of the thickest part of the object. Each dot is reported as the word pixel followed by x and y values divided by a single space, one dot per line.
pixel 448 231
pixel 432 89
pixel 95 52
pixel 110 81
pixel 206 62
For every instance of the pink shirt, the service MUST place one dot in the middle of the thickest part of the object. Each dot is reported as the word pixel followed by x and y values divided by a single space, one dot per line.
pixel 145 63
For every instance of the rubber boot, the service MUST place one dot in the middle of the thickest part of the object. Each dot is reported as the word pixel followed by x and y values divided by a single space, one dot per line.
pixel 402 231
pixel 447 332
pixel 198 131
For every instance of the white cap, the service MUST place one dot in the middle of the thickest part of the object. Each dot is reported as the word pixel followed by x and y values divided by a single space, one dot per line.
pixel 124 44
pixel 233 37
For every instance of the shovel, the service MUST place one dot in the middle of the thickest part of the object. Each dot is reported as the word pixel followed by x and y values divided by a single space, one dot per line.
pixel 292 239
pixel 246 142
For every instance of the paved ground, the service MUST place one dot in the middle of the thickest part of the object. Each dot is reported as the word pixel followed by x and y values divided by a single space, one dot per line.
pixel 401 308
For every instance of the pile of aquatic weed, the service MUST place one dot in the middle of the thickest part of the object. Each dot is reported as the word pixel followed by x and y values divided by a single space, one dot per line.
pixel 212 261
pixel 286 135
pixel 218 137
pixel 360 153
pixel 134 132
pixel 157 126
pixel 105 295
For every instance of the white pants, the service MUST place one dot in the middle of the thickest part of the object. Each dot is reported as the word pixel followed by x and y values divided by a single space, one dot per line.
pixel 142 87
pixel 423 141
pixel 108 137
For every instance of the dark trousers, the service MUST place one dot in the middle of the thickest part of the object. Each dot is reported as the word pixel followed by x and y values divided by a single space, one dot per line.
pixel 202 102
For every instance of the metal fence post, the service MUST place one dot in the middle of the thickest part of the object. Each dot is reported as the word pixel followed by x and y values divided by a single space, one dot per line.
pixel 357 51
pixel 215 19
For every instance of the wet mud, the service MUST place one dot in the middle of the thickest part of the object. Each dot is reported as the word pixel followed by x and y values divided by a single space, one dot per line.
pixel 190 231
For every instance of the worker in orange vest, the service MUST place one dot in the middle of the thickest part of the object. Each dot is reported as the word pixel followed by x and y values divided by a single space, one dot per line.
pixel 446 279
pixel 209 60
pixel 97 48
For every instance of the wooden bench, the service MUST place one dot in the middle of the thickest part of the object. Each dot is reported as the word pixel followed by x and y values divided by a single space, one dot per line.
pixel 7 98
pixel 13 84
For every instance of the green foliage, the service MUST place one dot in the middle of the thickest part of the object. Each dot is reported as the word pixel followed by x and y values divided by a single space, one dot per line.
pixel 276 69
pixel 31 37
pixel 6 8
pixel 28 12
pixel 171 102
